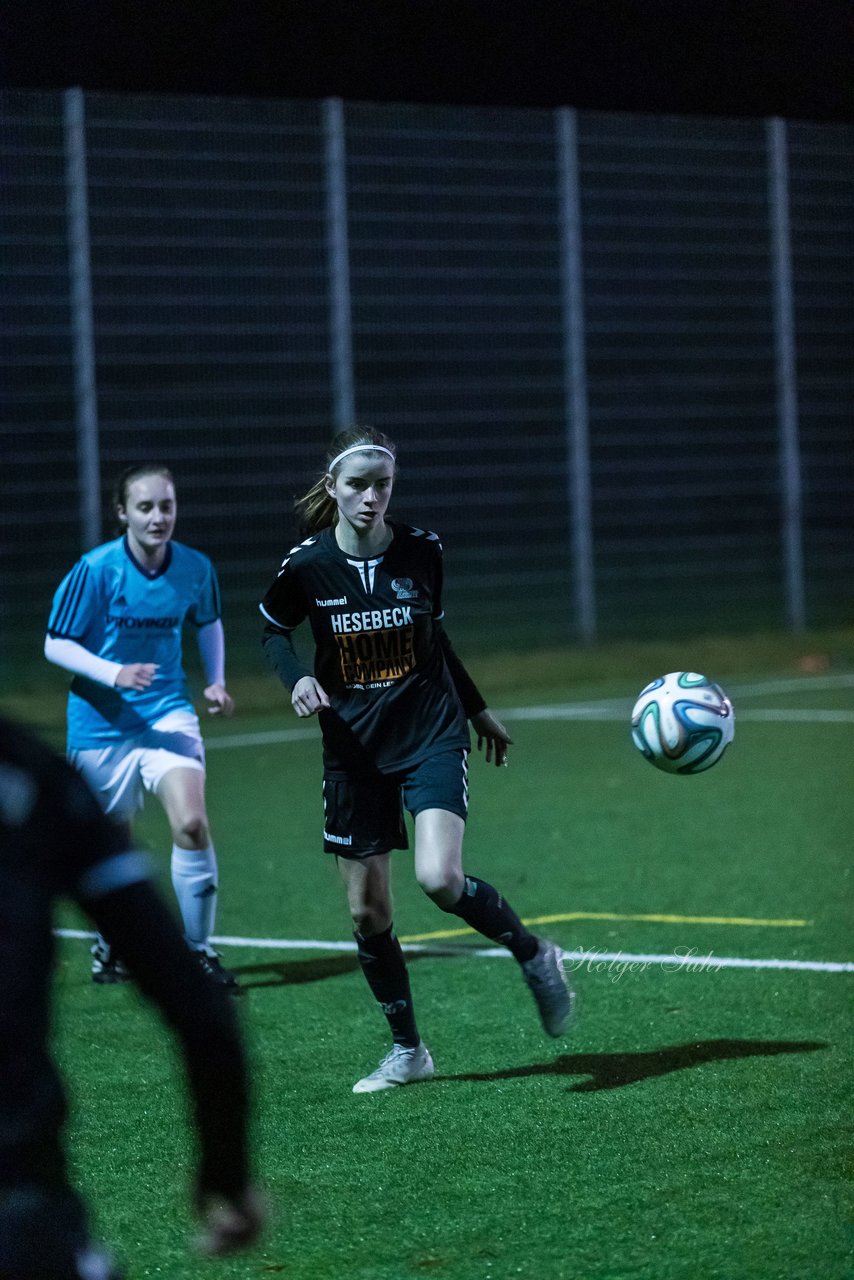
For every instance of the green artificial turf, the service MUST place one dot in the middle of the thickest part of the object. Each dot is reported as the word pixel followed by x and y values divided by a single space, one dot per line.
pixel 691 1126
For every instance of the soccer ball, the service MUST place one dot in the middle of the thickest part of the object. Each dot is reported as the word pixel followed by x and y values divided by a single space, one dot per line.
pixel 682 722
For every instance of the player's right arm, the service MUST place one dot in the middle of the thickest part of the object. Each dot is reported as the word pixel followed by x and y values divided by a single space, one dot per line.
pixel 74 605
pixel 284 608
pixel 308 697
pixel 81 661
pixel 307 693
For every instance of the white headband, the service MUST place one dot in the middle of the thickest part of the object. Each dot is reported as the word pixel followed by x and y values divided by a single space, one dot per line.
pixel 358 448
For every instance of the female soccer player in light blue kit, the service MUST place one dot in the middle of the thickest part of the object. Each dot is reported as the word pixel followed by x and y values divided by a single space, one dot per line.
pixel 116 624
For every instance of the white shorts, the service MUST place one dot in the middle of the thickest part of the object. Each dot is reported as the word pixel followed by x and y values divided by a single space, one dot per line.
pixel 120 775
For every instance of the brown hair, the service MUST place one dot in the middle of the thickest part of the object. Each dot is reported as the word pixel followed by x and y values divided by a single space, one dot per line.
pixel 316 510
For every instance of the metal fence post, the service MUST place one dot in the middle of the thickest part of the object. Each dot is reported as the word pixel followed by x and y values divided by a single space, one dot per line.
pixel 575 376
pixel 786 373
pixel 338 258
pixel 82 326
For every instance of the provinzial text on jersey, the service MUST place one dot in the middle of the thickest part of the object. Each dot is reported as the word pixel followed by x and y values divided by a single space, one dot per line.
pixel 162 624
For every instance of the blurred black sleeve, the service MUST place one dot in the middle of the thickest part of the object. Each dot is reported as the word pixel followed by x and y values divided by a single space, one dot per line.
pixel 467 691
pixel 138 923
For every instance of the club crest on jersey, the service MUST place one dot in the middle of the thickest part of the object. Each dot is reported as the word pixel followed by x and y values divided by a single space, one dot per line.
pixel 404 588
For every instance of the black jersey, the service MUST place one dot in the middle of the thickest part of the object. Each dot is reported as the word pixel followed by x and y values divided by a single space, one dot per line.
pixel 380 651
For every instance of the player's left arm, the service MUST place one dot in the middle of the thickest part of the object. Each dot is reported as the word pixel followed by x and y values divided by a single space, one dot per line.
pixel 211 640
pixel 490 731
pixel 206 613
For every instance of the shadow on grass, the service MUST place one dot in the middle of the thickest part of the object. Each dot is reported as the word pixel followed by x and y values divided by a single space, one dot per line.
pixel 288 973
pixel 614 1070
pixel 292 973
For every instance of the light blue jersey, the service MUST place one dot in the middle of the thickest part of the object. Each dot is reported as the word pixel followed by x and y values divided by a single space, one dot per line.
pixel 118 610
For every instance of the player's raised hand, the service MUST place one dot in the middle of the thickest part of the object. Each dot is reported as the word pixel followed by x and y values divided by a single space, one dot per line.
pixel 308 697
pixel 136 675
pixel 491 732
pixel 230 1224
pixel 221 701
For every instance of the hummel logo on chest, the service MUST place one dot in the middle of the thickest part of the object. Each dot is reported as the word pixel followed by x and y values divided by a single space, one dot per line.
pixel 330 604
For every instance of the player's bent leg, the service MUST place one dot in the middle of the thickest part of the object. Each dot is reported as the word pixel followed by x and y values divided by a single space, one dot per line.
pixel 439 855
pixel 438 868
pixel 181 791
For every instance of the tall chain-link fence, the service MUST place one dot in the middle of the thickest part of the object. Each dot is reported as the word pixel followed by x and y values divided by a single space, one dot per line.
pixel 615 351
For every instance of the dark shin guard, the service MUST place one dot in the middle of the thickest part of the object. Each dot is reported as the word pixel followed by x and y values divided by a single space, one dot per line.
pixel 384 968
pixel 484 909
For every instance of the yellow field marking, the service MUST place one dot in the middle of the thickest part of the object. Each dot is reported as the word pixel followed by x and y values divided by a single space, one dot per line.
pixel 741 921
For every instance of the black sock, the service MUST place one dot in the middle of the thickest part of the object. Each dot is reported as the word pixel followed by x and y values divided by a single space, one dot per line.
pixel 385 970
pixel 484 909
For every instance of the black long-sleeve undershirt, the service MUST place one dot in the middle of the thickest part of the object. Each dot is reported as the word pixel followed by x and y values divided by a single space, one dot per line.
pixel 282 656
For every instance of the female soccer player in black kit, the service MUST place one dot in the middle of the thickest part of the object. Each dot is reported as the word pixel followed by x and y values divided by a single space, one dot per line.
pixel 393 701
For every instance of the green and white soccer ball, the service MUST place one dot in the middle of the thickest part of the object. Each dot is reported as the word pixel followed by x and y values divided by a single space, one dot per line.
pixel 682 722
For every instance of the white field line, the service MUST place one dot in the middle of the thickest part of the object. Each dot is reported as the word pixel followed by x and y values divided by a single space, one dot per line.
pixel 591 959
pixel 578 711
pixel 793 684
pixel 825 716
pixel 614 710
pixel 267 736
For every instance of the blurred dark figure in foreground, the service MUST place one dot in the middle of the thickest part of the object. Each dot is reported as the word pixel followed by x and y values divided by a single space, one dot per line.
pixel 54 841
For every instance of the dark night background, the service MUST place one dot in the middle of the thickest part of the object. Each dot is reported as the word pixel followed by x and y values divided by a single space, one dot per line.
pixel 793 58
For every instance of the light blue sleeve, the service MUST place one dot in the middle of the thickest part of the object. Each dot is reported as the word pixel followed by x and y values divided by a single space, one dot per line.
pixel 75 603
pixel 207 607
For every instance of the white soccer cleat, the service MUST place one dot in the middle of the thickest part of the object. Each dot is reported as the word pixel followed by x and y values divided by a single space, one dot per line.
pixel 401 1065
pixel 107 968
pixel 548 985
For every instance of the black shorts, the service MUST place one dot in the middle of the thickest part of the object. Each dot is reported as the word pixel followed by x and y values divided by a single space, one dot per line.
pixel 362 818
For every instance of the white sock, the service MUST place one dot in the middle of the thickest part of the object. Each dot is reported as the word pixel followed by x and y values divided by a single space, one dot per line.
pixel 194 880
